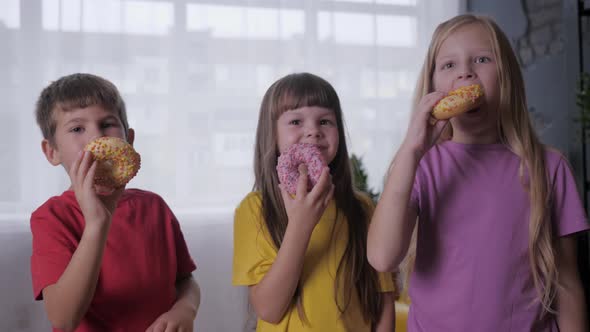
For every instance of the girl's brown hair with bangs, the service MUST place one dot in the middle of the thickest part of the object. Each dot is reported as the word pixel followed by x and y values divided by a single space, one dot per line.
pixel 354 272
pixel 517 133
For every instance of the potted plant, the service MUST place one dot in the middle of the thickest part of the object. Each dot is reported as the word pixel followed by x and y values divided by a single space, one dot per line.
pixel 360 177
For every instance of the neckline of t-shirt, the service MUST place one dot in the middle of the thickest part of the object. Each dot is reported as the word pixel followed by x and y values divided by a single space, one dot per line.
pixel 477 146
pixel 71 193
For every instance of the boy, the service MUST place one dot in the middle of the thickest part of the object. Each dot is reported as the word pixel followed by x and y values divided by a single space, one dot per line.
pixel 115 262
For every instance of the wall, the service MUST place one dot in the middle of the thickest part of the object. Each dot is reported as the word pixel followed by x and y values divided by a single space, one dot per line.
pixel 542 40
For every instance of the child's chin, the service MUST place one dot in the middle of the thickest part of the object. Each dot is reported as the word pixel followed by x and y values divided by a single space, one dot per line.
pixel 103 190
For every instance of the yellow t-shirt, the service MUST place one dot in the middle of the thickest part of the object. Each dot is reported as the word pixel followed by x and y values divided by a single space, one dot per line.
pixel 254 254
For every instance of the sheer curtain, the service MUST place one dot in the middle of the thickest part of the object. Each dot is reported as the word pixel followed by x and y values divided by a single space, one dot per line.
pixel 193 73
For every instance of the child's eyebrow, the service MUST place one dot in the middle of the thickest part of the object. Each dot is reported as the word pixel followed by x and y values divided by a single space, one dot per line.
pixel 327 113
pixel 484 50
pixel 444 58
pixel 453 55
pixel 75 120
pixel 110 117
pixel 82 120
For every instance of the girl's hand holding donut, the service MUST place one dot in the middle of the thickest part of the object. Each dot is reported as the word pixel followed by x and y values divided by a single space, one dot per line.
pixel 306 208
pixel 424 130
pixel 288 166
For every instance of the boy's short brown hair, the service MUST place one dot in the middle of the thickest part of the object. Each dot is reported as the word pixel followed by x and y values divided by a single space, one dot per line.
pixel 77 91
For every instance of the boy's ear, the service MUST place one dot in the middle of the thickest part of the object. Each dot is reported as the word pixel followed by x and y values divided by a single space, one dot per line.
pixel 50 152
pixel 130 136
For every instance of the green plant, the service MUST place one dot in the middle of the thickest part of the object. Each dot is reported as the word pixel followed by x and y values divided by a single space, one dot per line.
pixel 360 177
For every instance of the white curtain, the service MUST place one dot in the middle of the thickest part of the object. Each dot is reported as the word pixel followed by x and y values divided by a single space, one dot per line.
pixel 193 73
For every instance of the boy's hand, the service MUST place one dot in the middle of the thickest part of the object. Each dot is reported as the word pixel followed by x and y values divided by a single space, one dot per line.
pixel 96 208
pixel 306 208
pixel 178 319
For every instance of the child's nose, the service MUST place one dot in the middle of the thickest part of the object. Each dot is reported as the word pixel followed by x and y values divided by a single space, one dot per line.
pixel 312 131
pixel 466 75
pixel 466 72
pixel 97 133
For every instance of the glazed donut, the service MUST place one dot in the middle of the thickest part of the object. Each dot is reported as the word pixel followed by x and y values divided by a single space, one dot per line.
pixel 458 101
pixel 117 161
pixel 289 161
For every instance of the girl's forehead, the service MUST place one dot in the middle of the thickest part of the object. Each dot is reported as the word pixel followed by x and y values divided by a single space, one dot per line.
pixel 308 111
pixel 311 109
pixel 470 36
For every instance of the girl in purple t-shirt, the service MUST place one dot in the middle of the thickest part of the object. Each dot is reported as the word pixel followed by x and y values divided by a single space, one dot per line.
pixel 496 209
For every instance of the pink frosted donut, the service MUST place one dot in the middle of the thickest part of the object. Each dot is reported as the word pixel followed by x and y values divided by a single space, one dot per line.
pixel 288 165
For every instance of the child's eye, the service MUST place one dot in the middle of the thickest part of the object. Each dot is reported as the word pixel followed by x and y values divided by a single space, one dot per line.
pixel 295 122
pixel 108 125
pixel 77 130
pixel 448 65
pixel 325 122
pixel 482 59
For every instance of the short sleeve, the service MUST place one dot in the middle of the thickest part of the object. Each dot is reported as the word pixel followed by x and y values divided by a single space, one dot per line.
pixel 254 252
pixel 53 245
pixel 415 194
pixel 568 212
pixel 387 282
pixel 184 263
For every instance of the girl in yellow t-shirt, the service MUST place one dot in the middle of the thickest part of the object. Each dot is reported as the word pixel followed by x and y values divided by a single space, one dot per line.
pixel 303 257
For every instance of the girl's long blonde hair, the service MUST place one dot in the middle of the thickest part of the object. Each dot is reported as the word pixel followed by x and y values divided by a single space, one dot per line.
pixel 354 272
pixel 515 131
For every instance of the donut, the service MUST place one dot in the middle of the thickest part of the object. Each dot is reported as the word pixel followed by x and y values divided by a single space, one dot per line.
pixel 458 101
pixel 117 161
pixel 289 161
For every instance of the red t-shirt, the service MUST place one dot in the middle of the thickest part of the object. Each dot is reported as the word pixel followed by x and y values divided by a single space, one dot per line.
pixel 145 254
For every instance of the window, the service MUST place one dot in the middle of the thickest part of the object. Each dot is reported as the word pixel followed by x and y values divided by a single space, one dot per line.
pixel 193 73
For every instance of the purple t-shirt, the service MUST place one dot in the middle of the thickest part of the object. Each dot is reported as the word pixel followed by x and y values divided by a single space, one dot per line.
pixel 472 270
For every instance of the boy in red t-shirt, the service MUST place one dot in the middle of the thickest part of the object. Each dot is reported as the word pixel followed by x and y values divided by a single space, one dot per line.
pixel 104 263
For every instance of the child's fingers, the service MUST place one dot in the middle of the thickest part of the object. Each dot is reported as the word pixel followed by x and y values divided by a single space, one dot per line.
pixel 75 166
pixel 439 127
pixel 83 168
pixel 323 184
pixel 329 196
pixel 158 326
pixel 173 327
pixel 433 121
pixel 110 201
pixel 302 182
pixel 85 164
pixel 284 194
pixel 426 106
pixel 89 178
pixel 429 100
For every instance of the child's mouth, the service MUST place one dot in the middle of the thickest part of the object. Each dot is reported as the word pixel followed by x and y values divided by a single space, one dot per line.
pixel 475 110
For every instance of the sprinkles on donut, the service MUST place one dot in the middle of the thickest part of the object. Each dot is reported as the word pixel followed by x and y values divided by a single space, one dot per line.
pixel 289 161
pixel 459 101
pixel 118 162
